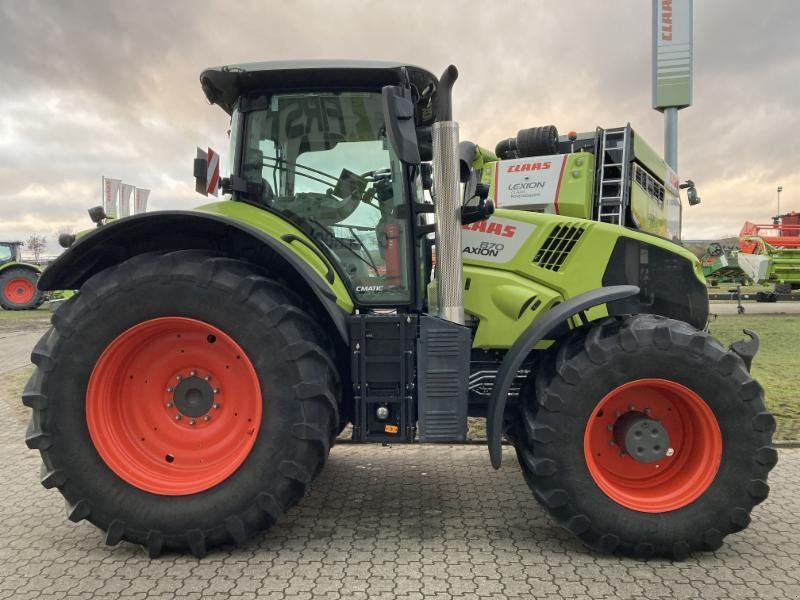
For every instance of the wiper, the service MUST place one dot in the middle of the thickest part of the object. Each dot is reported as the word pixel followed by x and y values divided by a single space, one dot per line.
pixel 282 166
pixel 279 162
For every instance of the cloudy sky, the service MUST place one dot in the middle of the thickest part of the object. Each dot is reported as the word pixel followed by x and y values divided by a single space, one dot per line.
pixel 92 88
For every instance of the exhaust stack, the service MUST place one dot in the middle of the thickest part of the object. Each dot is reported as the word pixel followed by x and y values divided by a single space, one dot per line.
pixel 447 200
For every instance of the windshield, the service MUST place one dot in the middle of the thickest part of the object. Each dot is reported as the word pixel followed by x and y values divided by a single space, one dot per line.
pixel 324 161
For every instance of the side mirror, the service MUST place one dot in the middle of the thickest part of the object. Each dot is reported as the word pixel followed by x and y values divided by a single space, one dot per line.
pixel 206 172
pixel 480 212
pixel 466 156
pixel 691 192
pixel 398 113
pixel 200 170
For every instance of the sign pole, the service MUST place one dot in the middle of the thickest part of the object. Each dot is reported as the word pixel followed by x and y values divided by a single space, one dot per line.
pixel 672 67
pixel 671 137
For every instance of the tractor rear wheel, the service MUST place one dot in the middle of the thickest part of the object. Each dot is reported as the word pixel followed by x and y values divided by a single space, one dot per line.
pixel 646 437
pixel 182 401
pixel 18 289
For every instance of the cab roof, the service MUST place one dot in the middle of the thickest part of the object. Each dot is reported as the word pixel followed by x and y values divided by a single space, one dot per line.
pixel 223 85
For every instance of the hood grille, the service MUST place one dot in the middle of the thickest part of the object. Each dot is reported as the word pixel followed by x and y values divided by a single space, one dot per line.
pixel 557 246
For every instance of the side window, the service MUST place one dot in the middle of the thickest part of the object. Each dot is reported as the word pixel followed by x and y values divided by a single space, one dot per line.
pixel 5 254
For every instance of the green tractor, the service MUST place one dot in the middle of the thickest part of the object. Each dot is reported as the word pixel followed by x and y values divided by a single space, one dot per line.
pixel 190 392
pixel 18 279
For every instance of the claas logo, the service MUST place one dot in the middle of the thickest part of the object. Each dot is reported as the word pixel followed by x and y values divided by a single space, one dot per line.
pixel 491 227
pixel 534 166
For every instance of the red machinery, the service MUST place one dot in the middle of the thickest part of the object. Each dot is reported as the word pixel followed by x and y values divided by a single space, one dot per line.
pixel 783 233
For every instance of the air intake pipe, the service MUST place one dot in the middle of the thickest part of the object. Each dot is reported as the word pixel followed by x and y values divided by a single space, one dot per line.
pixel 447 200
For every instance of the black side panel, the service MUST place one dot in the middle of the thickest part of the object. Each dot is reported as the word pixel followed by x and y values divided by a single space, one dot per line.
pixel 667 285
pixel 383 349
pixel 443 359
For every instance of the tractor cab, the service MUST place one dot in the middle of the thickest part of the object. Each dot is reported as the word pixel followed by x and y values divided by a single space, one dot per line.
pixel 9 252
pixel 310 142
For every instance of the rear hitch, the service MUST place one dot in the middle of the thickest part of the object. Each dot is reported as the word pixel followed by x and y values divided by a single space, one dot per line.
pixel 746 349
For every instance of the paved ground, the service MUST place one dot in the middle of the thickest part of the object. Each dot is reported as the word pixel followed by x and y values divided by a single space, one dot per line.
pixel 15 348
pixel 756 308
pixel 402 522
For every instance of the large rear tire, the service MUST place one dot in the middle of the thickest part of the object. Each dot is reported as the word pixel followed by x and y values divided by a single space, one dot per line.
pixel 18 289
pixel 182 401
pixel 598 392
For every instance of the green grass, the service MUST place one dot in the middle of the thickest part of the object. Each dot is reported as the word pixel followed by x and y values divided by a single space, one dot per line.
pixel 776 364
pixel 22 315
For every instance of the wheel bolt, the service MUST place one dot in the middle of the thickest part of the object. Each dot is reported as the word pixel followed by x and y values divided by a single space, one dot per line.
pixel 670 451
pixel 206 418
pixel 178 377
pixel 216 390
pixel 192 372
pixel 170 389
pixel 192 421
pixel 169 404
pixel 207 377
pixel 178 417
pixel 215 405
pixel 610 427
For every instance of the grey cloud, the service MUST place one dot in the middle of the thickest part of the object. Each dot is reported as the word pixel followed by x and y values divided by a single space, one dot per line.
pixel 91 87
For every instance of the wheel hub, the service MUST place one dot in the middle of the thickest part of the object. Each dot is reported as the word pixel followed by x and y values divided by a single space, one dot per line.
pixel 652 445
pixel 173 406
pixel 644 439
pixel 193 396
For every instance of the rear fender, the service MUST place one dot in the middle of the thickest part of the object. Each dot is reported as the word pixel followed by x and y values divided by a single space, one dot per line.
pixel 167 231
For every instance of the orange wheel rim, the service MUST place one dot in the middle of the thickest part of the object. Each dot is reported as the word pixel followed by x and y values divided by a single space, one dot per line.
pixel 19 291
pixel 173 406
pixel 689 463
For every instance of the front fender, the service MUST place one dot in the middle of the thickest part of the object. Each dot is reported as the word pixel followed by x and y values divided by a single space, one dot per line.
pixel 516 355
pixel 166 231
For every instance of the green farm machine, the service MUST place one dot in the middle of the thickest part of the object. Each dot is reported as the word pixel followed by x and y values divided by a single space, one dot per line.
pixel 18 280
pixel 770 253
pixel 191 390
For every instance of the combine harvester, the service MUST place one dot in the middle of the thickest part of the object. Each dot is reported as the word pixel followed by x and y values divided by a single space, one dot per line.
pixel 190 392
pixel 771 253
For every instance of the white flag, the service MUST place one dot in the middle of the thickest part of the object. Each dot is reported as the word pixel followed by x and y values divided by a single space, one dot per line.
pixel 125 191
pixel 140 200
pixel 110 194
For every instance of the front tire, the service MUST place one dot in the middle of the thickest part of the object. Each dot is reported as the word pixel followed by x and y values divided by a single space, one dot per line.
pixel 182 401
pixel 577 457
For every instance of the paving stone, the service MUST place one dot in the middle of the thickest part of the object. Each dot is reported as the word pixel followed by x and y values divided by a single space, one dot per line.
pixel 403 522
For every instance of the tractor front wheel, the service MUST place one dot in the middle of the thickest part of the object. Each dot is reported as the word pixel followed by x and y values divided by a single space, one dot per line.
pixel 646 437
pixel 182 401
pixel 18 289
